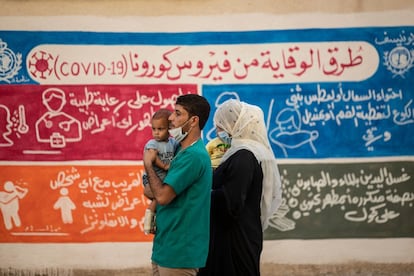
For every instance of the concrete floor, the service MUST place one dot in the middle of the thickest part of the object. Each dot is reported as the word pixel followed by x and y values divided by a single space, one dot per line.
pixel 349 269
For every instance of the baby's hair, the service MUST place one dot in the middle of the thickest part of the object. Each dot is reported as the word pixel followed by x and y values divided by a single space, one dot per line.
pixel 162 114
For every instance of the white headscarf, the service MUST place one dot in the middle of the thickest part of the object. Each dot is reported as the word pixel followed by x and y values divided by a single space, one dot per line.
pixel 245 124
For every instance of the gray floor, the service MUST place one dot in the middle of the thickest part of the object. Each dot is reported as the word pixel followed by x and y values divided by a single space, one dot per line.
pixel 350 269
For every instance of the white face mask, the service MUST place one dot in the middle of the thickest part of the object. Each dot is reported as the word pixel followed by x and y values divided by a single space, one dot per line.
pixel 178 134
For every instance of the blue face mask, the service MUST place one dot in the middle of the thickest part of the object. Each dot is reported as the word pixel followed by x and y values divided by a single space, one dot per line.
pixel 224 136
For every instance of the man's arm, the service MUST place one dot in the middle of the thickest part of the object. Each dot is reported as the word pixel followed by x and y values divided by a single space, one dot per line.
pixel 148 192
pixel 163 193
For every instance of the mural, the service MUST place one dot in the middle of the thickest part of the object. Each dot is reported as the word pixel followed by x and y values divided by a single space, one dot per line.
pixel 72 203
pixel 75 109
pixel 81 122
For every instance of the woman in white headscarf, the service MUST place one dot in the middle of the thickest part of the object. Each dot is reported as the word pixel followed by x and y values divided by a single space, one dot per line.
pixel 246 191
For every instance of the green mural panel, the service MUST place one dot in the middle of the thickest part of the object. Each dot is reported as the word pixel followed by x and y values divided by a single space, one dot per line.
pixel 352 200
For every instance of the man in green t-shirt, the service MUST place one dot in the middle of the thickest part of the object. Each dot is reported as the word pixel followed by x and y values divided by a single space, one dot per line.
pixel 183 198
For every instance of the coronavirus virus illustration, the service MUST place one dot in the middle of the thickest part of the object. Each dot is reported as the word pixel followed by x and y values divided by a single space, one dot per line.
pixel 40 64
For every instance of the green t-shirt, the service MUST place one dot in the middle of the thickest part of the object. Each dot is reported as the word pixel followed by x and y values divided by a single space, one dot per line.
pixel 183 226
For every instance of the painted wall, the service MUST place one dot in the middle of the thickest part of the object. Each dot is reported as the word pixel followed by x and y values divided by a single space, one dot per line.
pixel 116 253
pixel 188 7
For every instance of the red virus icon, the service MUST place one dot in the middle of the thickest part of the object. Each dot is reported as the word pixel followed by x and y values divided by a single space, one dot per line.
pixel 40 64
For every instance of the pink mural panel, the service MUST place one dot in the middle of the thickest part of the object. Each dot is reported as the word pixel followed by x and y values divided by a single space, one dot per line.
pixel 80 122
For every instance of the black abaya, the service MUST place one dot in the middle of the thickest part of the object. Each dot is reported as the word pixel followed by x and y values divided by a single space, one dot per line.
pixel 236 236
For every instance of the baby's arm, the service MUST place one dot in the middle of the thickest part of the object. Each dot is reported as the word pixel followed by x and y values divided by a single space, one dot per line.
pixel 158 162
pixel 161 164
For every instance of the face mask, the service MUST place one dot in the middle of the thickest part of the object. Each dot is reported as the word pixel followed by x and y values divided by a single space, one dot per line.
pixel 177 132
pixel 224 136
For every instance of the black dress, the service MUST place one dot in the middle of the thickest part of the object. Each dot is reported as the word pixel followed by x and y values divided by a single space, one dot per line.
pixel 236 237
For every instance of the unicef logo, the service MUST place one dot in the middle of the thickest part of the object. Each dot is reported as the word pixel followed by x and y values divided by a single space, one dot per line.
pixel 399 60
pixel 10 63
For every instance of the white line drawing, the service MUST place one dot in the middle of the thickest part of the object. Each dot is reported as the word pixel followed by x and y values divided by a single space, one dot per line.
pixel 288 133
pixel 23 128
pixel 5 127
pixel 9 204
pixel 57 127
pixel 399 60
pixel 279 220
pixel 66 205
pixel 10 63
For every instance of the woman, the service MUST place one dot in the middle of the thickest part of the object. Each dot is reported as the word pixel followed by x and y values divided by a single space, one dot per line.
pixel 246 192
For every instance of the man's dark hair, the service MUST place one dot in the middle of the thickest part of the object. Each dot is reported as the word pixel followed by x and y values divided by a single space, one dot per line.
pixel 195 105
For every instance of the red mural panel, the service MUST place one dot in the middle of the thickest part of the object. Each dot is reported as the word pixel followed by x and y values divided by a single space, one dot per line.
pixel 72 203
pixel 80 122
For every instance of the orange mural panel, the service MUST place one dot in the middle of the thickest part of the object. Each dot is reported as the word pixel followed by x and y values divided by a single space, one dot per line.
pixel 72 203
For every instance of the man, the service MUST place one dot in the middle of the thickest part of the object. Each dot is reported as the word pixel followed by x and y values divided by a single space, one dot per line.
pixel 183 212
